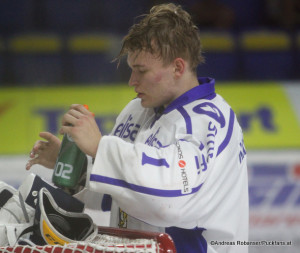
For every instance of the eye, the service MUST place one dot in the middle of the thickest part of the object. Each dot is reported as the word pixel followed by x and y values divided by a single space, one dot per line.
pixel 142 71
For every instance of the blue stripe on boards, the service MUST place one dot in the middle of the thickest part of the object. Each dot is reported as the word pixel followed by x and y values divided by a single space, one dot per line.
pixel 139 188
pixel 187 118
pixel 225 142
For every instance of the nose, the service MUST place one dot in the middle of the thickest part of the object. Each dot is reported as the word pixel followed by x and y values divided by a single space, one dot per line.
pixel 133 80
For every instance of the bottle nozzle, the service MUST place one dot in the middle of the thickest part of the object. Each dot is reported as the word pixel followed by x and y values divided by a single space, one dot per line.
pixel 87 107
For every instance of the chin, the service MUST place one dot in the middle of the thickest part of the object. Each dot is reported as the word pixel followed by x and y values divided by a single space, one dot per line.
pixel 146 105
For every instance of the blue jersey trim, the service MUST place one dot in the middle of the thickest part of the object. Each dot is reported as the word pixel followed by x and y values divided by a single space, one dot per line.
pixel 139 188
pixel 188 240
pixel 187 118
pixel 225 142
pixel 206 90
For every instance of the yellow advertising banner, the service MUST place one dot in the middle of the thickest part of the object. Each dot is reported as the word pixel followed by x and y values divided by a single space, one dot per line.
pixel 25 112
pixel 263 110
pixel 265 113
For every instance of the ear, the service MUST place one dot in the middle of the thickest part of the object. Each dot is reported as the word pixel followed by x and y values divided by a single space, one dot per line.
pixel 179 67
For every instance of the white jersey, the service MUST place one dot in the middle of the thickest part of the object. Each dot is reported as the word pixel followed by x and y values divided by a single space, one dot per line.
pixel 181 170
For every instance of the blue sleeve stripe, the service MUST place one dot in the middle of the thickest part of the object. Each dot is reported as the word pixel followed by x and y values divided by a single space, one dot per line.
pixel 187 119
pixel 140 189
pixel 228 135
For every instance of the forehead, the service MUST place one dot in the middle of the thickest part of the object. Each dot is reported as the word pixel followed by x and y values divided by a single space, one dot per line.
pixel 144 58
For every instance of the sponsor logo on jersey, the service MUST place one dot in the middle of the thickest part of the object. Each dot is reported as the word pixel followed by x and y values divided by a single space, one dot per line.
pixel 182 165
pixel 212 111
pixel 212 132
pixel 153 141
pixel 185 182
pixel 127 129
pixel 179 151
pixel 242 152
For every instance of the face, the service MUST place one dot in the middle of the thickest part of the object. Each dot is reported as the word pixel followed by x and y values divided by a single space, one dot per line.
pixel 153 82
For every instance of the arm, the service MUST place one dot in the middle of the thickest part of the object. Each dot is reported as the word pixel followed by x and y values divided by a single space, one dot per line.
pixel 147 182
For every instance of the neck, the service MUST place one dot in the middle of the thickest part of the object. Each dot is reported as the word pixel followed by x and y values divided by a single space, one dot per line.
pixel 184 83
pixel 188 82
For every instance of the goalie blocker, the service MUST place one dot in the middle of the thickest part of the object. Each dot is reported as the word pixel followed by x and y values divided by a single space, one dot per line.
pixel 53 225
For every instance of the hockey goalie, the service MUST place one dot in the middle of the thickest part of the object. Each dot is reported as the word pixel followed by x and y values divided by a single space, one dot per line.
pixel 174 162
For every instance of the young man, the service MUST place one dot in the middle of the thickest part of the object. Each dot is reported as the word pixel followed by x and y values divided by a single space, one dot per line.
pixel 175 160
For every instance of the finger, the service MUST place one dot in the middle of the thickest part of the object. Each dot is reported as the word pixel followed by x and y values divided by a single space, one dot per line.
pixel 74 106
pixel 68 119
pixel 75 113
pixel 28 166
pixel 31 162
pixel 81 108
pixel 38 146
pixel 65 129
pixel 33 155
pixel 47 136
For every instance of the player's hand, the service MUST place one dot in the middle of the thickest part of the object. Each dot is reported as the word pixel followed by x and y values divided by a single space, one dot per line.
pixel 44 152
pixel 80 124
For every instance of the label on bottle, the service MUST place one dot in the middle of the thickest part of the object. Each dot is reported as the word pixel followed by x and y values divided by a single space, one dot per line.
pixel 69 164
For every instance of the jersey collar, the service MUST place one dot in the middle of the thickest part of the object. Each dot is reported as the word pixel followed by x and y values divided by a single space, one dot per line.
pixel 205 89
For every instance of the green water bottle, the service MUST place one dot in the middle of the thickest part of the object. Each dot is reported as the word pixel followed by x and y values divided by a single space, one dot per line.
pixel 70 164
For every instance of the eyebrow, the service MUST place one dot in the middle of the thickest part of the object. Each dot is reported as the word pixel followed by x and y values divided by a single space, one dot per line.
pixel 138 66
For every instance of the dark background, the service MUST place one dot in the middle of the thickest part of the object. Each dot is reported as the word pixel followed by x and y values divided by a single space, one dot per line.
pixel 36 39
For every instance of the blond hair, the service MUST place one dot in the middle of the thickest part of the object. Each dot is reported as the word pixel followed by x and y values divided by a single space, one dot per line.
pixel 167 31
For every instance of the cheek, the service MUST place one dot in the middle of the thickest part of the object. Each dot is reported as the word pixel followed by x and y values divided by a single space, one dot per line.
pixel 158 77
pixel 163 74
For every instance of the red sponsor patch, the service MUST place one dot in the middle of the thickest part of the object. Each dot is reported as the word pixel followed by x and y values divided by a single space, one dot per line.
pixel 181 164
